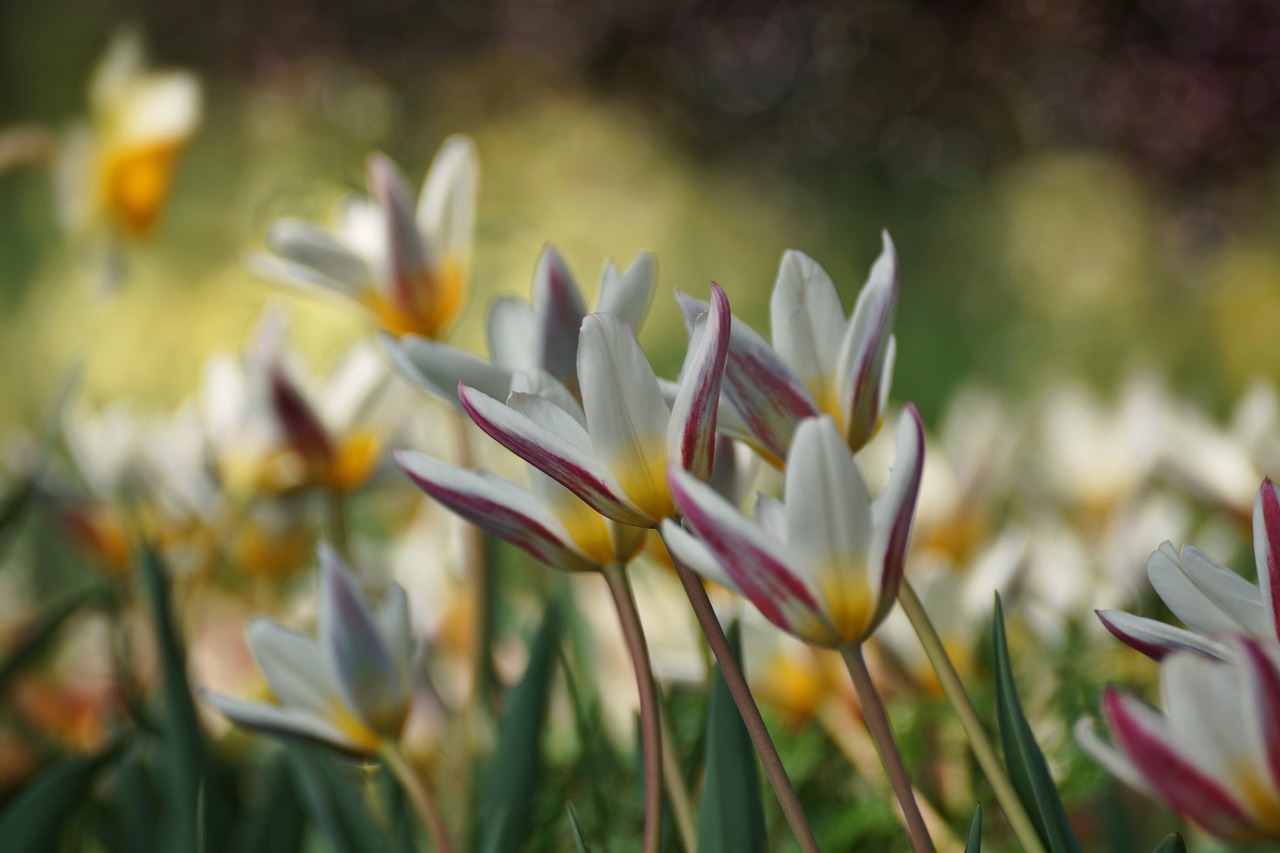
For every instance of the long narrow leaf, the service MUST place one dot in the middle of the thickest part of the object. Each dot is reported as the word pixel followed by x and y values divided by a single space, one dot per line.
pixel 1171 844
pixel 974 844
pixel 278 823
pixel 34 819
pixel 731 816
pixel 579 840
pixel 506 800
pixel 1027 768
pixel 333 801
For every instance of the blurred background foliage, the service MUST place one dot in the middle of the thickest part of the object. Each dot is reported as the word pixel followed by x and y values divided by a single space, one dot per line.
pixel 1075 186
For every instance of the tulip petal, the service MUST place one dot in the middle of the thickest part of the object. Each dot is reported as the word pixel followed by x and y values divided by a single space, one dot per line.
pixel 766 394
pixel 690 552
pixel 407 256
pixel 627 295
pixel 539 383
pixel 626 415
pixel 502 510
pixel 771 516
pixel 293 665
pixel 893 511
pixel 513 332
pixel 302 243
pixel 1206 596
pixel 1156 639
pixel 371 684
pixel 438 368
pixel 274 720
pixel 1143 736
pixel 691 432
pixel 392 619
pixel 447 205
pixel 559 309
pixel 298 275
pixel 562 452
pixel 1112 760
pixel 1263 710
pixel 860 375
pixel 752 560
pixel 1266 548
pixel 808 323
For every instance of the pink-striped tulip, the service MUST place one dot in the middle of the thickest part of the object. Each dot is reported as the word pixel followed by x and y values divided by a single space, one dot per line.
pixel 613 453
pixel 406 266
pixel 537 335
pixel 1214 754
pixel 1207 597
pixel 351 689
pixel 823 564
pixel 820 363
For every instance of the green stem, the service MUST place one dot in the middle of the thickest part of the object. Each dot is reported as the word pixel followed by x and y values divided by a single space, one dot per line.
pixel 422 797
pixel 650 727
pixel 981 745
pixel 882 734
pixel 337 506
pixel 747 709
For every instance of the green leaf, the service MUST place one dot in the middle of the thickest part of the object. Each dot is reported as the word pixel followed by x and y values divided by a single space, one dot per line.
pixel 511 782
pixel 277 825
pixel 731 815
pixel 1027 768
pixel 35 818
pixel 1172 844
pixel 332 800
pixel 579 840
pixel 187 765
pixel 44 627
pixel 974 844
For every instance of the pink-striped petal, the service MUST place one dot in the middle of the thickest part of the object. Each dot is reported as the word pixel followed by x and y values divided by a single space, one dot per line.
pixel 894 510
pixel 1141 733
pixel 300 424
pixel 751 559
pixel 1263 708
pixel 1156 639
pixel 691 433
pixel 861 376
pixel 770 399
pixel 563 454
pixel 690 552
pixel 502 510
pixel 559 311
pixel 1266 547
pixel 407 256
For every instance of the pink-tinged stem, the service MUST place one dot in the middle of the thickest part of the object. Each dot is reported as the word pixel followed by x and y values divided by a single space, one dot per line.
pixel 615 574
pixel 747 709
pixel 882 733
pixel 423 799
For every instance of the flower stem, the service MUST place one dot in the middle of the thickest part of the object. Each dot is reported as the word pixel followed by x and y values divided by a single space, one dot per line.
pixel 650 726
pixel 421 795
pixel 476 571
pixel 677 790
pixel 737 684
pixel 882 733
pixel 953 687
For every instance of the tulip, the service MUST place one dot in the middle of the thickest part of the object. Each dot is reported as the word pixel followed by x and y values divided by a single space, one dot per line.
pixel 1214 754
pixel 824 563
pixel 407 267
pixel 350 688
pixel 525 336
pixel 819 362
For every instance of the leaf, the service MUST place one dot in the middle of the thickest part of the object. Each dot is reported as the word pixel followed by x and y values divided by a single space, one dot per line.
pixel 1172 844
pixel 42 629
pixel 278 824
pixel 506 798
pixel 332 801
pixel 1027 768
pixel 186 758
pixel 731 815
pixel 974 844
pixel 401 822
pixel 35 818
pixel 579 840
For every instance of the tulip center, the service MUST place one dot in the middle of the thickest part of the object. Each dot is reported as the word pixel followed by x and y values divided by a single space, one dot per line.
pixel 135 183
pixel 846 596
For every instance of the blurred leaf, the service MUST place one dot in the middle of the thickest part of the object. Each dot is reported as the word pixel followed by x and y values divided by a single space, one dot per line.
pixel 186 759
pixel 579 840
pixel 506 799
pixel 35 818
pixel 1027 768
pixel 44 626
pixel 279 823
pixel 731 815
pixel 332 801
pixel 402 823
pixel 974 844
pixel 14 505
pixel 134 803
pixel 1172 844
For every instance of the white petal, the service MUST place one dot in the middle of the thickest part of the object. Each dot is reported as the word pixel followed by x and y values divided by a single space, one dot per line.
pixel 157 108
pixel 693 554
pixel 691 429
pixel 447 206
pixel 627 295
pixel 513 334
pixel 438 368
pixel 542 384
pixel 626 415
pixel 1112 760
pixel 827 506
pixel 294 666
pixel 303 243
pixel 1207 597
pixel 1156 639
pixel 808 323
pixel 559 309
pixel 269 719
pixel 865 349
